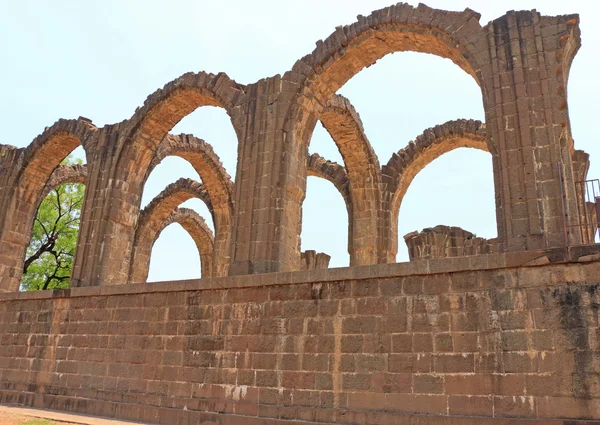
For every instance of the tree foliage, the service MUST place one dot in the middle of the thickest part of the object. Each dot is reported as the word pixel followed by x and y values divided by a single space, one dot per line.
pixel 52 248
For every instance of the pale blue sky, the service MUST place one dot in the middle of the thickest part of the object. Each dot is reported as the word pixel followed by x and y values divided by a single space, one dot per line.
pixel 101 59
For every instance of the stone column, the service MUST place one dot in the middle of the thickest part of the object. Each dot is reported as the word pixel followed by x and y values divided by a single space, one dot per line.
pixel 270 184
pixel 528 125
pixel 108 218
pixel 9 262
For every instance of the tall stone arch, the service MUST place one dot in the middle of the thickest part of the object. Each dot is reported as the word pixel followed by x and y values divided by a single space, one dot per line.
pixel 23 185
pixel 131 147
pixel 315 79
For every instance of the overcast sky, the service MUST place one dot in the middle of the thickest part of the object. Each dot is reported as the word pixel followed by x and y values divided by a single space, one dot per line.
pixel 101 59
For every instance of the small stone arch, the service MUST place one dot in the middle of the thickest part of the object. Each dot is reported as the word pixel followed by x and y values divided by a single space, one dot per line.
pixel 64 174
pixel 336 174
pixel 29 175
pixel 216 181
pixel 196 227
pixel 152 219
pixel 404 165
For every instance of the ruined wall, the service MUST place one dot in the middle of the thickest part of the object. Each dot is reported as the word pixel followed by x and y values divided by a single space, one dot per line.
pixel 446 241
pixel 520 61
pixel 469 340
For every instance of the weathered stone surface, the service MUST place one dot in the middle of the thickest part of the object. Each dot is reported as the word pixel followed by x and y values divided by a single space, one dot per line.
pixel 509 337
pixel 521 62
pixel 312 260
pixel 446 241
pixel 485 342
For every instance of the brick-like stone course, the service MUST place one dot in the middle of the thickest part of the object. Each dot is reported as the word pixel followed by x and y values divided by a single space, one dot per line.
pixel 496 339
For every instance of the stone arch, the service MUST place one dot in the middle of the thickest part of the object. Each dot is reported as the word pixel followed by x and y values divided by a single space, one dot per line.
pixel 135 143
pixel 344 125
pixel 398 28
pixel 457 36
pixel 167 106
pixel 403 166
pixel 336 174
pixel 216 181
pixel 332 171
pixel 65 174
pixel 24 188
pixel 152 219
pixel 196 227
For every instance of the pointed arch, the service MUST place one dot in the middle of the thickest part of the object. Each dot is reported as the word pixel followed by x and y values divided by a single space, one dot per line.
pixel 332 171
pixel 163 109
pixel 403 166
pixel 152 219
pixel 196 227
pixel 217 183
pixel 24 189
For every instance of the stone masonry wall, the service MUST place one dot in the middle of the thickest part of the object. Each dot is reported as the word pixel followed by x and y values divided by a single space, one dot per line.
pixel 412 343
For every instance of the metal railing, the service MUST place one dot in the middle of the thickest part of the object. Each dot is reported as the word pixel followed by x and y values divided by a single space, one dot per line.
pixel 588 205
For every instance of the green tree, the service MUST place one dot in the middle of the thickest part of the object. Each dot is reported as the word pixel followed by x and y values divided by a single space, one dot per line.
pixel 51 250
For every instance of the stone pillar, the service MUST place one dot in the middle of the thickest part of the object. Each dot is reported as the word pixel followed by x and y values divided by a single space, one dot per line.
pixel 270 184
pixel 108 217
pixel 524 89
pixel 9 263
pixel 588 222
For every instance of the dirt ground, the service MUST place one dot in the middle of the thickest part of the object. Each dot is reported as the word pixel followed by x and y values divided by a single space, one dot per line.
pixel 12 419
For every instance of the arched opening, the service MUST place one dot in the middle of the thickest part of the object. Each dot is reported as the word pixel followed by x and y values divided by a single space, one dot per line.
pixel 324 222
pixel 31 183
pixel 217 191
pixel 174 256
pixel 342 56
pixel 407 92
pixel 51 252
pixel 389 120
pixel 455 189
pixel 203 241
pixel 144 140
